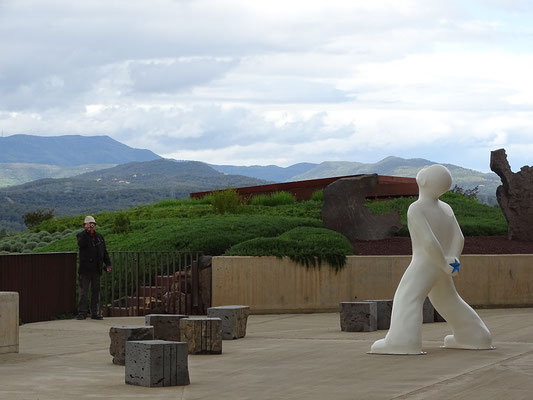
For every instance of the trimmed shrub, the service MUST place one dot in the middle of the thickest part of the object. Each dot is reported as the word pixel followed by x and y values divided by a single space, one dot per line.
pixel 121 223
pixel 30 246
pixel 309 246
pixel 226 201
pixel 16 247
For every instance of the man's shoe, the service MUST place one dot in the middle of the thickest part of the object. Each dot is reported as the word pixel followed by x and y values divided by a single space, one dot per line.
pixel 80 316
pixel 96 316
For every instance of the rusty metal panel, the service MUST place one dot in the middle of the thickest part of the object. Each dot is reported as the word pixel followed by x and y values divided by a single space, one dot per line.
pixel 388 186
pixel 46 283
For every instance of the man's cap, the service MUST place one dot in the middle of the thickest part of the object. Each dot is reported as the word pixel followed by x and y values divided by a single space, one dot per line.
pixel 89 219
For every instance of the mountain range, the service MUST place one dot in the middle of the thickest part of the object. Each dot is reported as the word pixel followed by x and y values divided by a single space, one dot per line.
pixel 69 150
pixel 78 174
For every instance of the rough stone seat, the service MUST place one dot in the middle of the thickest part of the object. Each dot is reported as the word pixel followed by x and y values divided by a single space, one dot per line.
pixel 166 326
pixel 203 335
pixel 234 319
pixel 9 322
pixel 358 316
pixel 428 312
pixel 121 334
pixel 157 363
pixel 384 312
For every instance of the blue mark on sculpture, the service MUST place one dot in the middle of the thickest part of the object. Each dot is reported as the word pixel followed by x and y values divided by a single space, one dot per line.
pixel 455 266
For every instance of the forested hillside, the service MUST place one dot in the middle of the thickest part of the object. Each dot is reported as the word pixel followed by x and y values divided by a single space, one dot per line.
pixel 113 189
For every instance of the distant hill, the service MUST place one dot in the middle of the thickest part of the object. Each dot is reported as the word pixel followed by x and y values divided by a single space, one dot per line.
pixel 268 172
pixel 396 166
pixel 18 173
pixel 112 189
pixel 69 150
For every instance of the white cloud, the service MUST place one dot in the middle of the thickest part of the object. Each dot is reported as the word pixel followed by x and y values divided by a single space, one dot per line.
pixel 243 82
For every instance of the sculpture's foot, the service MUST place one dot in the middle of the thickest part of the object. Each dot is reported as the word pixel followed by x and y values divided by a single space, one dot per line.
pixel 382 347
pixel 451 343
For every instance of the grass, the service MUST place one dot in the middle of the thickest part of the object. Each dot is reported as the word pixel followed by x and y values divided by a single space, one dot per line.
pixel 273 199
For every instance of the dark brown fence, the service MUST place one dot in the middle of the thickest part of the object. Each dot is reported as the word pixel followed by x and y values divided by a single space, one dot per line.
pixel 142 283
pixel 46 283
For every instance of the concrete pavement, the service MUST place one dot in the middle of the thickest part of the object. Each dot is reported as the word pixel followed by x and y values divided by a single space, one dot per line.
pixel 289 356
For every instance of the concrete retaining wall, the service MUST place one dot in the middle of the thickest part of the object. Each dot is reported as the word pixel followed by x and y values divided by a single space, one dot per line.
pixel 272 285
pixel 9 322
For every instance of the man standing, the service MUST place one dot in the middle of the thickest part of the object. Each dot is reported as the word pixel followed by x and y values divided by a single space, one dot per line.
pixel 93 258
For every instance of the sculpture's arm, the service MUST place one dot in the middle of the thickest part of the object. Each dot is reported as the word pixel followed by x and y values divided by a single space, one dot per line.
pixel 458 240
pixel 419 227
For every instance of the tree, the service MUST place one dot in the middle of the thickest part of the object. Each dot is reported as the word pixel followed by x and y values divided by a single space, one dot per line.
pixel 34 218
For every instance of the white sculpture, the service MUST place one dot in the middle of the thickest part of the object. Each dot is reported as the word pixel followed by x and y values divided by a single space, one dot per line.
pixel 437 244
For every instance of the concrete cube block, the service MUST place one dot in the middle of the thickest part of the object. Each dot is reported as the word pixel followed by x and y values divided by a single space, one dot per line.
pixel 9 322
pixel 121 334
pixel 234 319
pixel 384 312
pixel 204 335
pixel 438 317
pixel 166 326
pixel 358 316
pixel 157 363
pixel 428 312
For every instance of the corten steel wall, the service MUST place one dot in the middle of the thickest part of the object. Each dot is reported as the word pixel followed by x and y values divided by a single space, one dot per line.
pixel 388 186
pixel 272 285
pixel 46 283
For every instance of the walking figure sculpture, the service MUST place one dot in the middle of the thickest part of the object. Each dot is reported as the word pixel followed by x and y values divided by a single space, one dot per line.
pixel 437 244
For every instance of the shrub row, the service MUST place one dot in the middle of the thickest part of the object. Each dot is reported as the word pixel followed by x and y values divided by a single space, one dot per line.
pixel 29 241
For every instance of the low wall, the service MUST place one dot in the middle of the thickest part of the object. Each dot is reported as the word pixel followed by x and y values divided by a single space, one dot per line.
pixel 45 282
pixel 9 322
pixel 273 285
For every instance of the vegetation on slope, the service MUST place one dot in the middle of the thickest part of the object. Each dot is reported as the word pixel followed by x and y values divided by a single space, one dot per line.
pixel 285 228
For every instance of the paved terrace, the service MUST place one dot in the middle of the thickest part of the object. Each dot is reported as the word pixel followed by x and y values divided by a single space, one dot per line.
pixel 302 356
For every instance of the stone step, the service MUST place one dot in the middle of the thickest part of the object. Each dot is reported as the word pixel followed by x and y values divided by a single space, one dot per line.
pixel 167 280
pixel 151 291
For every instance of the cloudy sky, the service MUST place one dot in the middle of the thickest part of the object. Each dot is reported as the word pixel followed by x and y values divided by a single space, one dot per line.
pixel 275 82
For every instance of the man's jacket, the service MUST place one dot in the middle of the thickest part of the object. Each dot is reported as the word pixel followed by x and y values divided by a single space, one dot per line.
pixel 93 253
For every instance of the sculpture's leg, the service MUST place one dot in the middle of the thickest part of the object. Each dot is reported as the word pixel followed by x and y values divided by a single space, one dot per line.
pixel 405 333
pixel 469 331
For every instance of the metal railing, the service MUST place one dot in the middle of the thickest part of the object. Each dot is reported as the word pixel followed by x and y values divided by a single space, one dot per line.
pixel 142 283
pixel 46 283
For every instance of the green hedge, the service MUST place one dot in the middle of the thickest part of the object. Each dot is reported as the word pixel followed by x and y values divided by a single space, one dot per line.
pixel 305 245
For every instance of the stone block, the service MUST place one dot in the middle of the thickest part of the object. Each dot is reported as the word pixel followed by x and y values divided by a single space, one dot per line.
pixel 166 326
pixel 428 312
pixel 344 210
pixel 384 312
pixel 358 316
pixel 9 322
pixel 121 334
pixel 438 317
pixel 204 335
pixel 157 363
pixel 234 319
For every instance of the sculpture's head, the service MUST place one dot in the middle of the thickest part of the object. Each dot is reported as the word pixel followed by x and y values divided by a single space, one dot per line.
pixel 434 180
